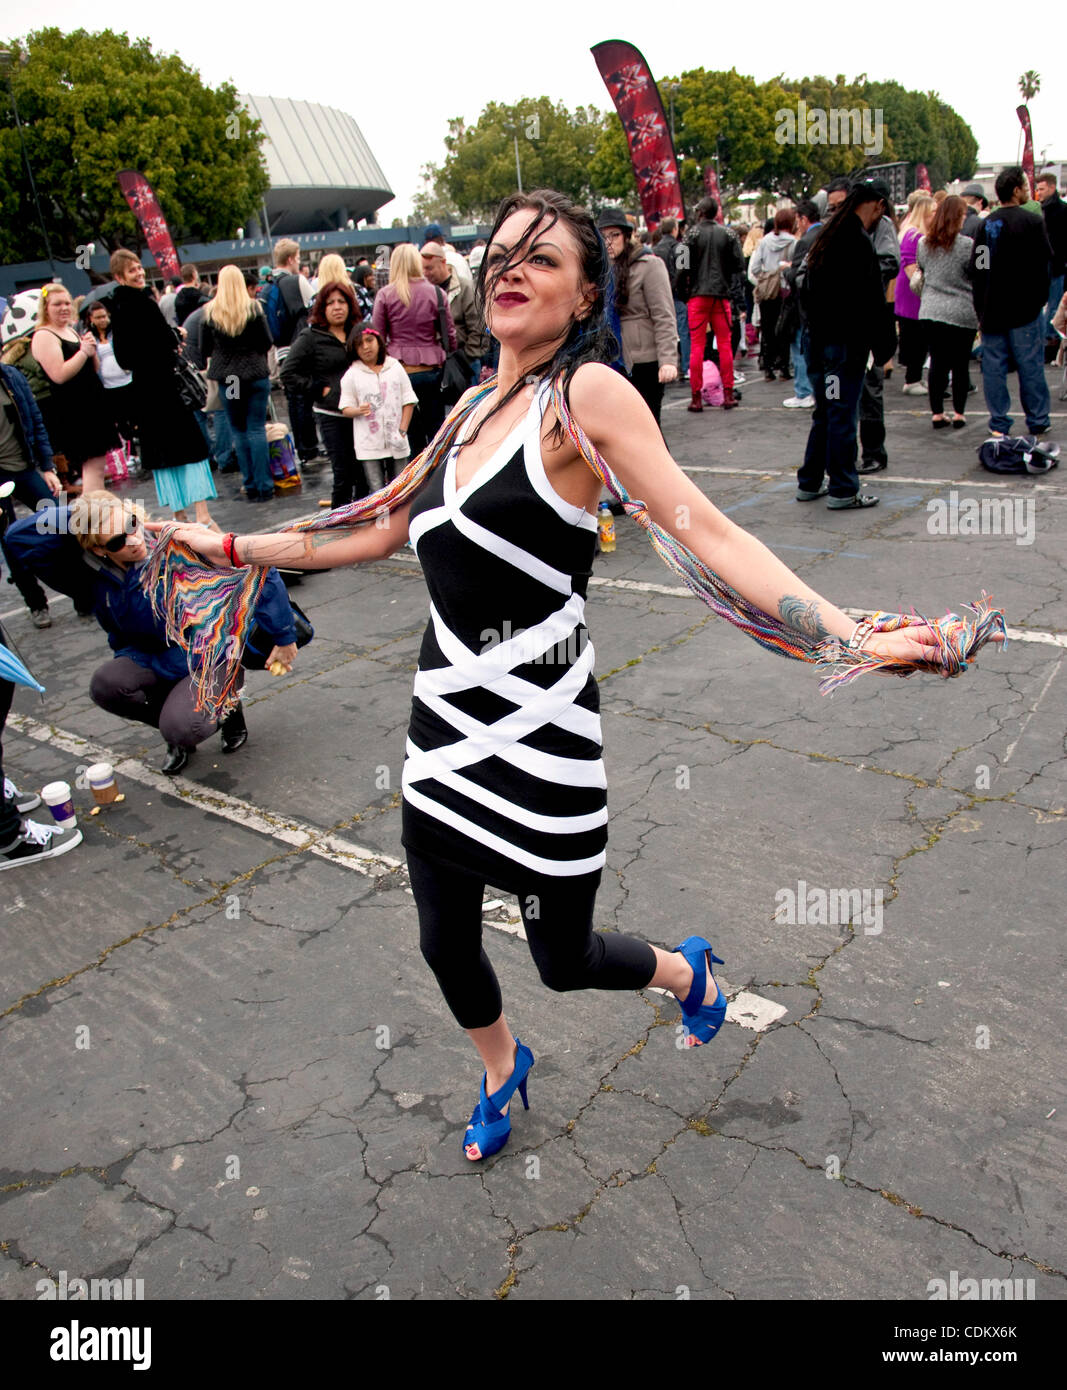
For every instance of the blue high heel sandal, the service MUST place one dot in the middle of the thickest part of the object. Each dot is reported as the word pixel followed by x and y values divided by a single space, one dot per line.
pixel 702 1020
pixel 489 1129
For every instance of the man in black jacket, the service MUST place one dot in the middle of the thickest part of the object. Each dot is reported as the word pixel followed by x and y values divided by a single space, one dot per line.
pixel 844 300
pixel 1009 270
pixel 1055 211
pixel 674 256
pixel 714 259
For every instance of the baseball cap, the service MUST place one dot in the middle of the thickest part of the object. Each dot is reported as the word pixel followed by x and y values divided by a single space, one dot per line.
pixel 973 190
pixel 879 188
pixel 432 231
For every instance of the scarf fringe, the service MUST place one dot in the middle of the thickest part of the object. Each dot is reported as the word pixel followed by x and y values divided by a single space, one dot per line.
pixel 210 611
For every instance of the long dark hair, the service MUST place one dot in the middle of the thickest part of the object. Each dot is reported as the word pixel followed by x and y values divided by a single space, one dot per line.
pixel 589 339
pixel 620 269
pixel 833 227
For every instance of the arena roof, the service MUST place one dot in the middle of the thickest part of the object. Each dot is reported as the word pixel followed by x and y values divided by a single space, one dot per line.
pixel 321 168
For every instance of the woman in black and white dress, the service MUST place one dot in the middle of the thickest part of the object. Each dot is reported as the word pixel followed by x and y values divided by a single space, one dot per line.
pixel 504 782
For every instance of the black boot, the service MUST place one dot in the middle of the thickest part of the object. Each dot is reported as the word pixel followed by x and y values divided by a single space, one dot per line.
pixel 234 731
pixel 175 760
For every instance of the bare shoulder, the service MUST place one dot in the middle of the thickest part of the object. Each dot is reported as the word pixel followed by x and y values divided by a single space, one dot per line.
pixel 601 397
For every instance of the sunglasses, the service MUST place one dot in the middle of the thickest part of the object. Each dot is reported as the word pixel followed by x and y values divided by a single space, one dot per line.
pixel 123 539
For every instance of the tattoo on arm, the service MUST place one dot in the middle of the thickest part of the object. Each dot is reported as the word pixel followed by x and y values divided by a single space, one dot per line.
pixel 803 615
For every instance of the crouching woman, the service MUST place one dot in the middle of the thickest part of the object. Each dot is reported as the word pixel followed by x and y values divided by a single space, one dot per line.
pixel 147 678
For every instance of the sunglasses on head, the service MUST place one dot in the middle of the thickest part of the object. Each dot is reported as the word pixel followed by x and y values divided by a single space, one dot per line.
pixel 122 540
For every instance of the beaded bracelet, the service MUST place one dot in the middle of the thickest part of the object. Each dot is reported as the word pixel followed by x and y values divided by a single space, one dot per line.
pixel 860 633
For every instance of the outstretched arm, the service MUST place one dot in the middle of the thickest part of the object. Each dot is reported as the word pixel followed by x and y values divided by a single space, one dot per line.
pixel 302 550
pixel 618 422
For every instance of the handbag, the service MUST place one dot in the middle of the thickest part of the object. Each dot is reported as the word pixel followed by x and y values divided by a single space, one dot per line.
pixel 191 385
pixel 260 644
pixel 213 401
pixel 456 368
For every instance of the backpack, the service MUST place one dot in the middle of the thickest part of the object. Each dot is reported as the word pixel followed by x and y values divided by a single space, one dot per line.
pixel 280 319
pixel 1018 455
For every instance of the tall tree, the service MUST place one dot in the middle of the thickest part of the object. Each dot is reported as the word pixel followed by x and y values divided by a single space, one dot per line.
pixel 924 128
pixel 92 104
pixel 552 146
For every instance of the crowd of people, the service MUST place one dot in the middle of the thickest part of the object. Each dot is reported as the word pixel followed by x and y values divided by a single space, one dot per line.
pixel 828 292
pixel 835 288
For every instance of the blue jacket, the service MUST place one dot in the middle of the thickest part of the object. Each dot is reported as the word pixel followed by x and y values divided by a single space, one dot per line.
pixel 122 607
pixel 34 437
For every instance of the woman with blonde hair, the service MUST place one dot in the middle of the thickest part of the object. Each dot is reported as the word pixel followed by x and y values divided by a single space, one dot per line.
pixel 79 421
pixel 331 271
pixel 912 351
pixel 409 313
pixel 235 340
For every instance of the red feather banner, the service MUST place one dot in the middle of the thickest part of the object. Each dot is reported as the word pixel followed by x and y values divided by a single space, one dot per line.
pixel 637 100
pixel 145 207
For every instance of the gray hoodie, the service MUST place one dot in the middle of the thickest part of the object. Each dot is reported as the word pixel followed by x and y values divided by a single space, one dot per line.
pixel 769 253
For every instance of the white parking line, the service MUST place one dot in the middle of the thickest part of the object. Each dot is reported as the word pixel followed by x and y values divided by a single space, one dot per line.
pixel 749 1010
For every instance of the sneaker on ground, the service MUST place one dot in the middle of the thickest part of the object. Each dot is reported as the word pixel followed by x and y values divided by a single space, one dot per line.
pixel 38 842
pixel 800 403
pixel 41 617
pixel 739 378
pixel 24 801
pixel 914 388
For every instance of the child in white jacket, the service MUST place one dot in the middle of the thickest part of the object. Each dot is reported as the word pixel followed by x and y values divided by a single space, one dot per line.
pixel 378 397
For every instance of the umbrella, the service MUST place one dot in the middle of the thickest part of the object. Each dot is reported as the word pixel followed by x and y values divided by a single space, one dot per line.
pixel 21 316
pixel 12 669
pixel 98 292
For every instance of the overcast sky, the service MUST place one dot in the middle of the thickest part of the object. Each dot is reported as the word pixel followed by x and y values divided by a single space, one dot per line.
pixel 403 70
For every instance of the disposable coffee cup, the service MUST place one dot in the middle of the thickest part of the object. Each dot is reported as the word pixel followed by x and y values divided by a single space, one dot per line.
pixel 57 797
pixel 101 778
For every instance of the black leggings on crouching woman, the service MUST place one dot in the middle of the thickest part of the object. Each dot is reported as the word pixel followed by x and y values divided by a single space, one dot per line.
pixel 558 919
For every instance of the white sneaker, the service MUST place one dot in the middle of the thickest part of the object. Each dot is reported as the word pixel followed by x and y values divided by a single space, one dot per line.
pixel 800 403
pixel 914 388
pixel 739 378
pixel 38 842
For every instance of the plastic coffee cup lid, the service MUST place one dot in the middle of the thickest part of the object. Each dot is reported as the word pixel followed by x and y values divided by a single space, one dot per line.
pixel 100 772
pixel 56 791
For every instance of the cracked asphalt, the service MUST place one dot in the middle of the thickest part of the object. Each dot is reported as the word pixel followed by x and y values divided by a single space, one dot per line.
pixel 226 1070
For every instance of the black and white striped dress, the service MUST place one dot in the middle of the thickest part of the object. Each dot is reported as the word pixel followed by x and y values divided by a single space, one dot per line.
pixel 503 776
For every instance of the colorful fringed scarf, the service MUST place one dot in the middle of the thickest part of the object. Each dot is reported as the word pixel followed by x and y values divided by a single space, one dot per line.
pixel 211 611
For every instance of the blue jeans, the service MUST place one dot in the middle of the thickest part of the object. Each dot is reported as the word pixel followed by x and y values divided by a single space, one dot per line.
pixel 247 416
pixel 800 366
pixel 836 380
pixel 1055 294
pixel 223 449
pixel 681 318
pixel 1026 347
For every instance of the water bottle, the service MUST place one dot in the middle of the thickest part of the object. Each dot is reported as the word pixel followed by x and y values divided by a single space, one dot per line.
pixel 605 525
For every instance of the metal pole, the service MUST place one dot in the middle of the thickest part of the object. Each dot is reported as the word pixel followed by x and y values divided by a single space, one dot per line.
pixel 5 64
pixel 518 170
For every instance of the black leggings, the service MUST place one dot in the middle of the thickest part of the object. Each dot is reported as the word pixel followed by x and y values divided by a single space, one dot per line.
pixel 558 917
pixel 950 352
